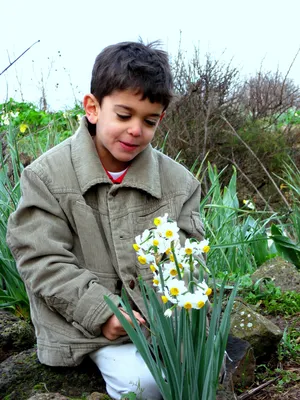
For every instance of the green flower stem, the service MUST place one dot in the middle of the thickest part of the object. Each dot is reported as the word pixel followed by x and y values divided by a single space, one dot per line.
pixel 175 260
pixel 161 276
pixel 191 271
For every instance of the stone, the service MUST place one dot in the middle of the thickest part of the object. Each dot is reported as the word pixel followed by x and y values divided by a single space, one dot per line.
pixel 283 274
pixel 240 368
pixel 98 396
pixel 16 335
pixel 48 396
pixel 261 333
pixel 22 376
pixel 240 362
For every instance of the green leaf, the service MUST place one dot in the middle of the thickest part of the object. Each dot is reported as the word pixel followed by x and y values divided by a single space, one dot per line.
pixel 285 247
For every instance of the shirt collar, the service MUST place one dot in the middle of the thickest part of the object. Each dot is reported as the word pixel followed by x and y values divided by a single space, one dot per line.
pixel 143 172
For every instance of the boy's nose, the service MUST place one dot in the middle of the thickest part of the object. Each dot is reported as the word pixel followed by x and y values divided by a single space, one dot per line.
pixel 135 129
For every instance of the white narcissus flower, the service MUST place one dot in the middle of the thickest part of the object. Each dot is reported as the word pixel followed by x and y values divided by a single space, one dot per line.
pixel 142 241
pixel 160 220
pixel 175 287
pixel 156 280
pixel 187 300
pixel 200 299
pixel 154 267
pixel 171 269
pixel 190 247
pixel 204 288
pixel 160 248
pixel 168 313
pixel 5 119
pixel 249 204
pixel 161 243
pixel 203 247
pixel 169 230
pixel 194 300
pixel 144 258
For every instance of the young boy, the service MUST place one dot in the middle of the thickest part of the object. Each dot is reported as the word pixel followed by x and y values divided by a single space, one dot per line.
pixel 84 201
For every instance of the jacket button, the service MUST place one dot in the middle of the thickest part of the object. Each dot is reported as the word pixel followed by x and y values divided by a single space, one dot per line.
pixel 132 284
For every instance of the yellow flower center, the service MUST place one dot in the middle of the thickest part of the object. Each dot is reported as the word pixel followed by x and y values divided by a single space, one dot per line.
pixel 173 272
pixel 187 305
pixel 200 304
pixel 23 128
pixel 155 281
pixel 155 242
pixel 168 251
pixel 157 221
pixel 171 257
pixel 208 292
pixel 153 268
pixel 136 247
pixel 206 249
pixel 164 299
pixel 174 291
pixel 142 259
pixel 188 251
pixel 180 266
pixel 169 234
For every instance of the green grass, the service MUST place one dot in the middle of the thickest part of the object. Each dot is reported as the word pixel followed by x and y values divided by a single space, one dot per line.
pixel 238 234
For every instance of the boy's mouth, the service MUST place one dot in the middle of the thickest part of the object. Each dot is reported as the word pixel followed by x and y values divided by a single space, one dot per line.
pixel 128 146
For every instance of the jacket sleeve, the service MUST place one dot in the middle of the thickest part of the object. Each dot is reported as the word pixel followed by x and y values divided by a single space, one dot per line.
pixel 41 242
pixel 189 220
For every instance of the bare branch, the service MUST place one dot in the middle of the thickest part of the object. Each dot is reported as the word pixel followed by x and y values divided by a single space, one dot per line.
pixel 19 57
pixel 258 160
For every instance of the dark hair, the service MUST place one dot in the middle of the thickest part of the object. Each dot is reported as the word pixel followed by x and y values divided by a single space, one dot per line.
pixel 136 66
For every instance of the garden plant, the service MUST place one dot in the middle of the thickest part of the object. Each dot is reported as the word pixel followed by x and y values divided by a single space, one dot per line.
pixel 242 233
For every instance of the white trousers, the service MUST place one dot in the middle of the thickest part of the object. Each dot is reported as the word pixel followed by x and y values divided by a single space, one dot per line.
pixel 124 371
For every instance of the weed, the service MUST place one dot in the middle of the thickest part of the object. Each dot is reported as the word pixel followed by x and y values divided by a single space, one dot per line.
pixel 289 346
pixel 272 299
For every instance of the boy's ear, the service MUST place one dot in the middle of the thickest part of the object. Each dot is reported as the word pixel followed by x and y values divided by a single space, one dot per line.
pixel 91 107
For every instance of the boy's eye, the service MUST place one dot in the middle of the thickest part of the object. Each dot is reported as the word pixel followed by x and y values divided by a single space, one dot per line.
pixel 123 117
pixel 150 123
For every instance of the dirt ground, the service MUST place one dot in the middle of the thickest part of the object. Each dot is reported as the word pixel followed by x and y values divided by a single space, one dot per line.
pixel 279 390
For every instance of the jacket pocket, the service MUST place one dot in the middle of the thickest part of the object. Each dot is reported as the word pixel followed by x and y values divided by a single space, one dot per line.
pixel 197 223
pixel 144 218
pixel 92 237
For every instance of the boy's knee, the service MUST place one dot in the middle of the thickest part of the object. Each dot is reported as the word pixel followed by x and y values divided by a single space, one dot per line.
pixel 125 371
pixel 143 385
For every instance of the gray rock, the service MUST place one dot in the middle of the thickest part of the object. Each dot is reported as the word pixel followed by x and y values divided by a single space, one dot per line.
pixel 48 396
pixel 260 332
pixel 240 368
pixel 16 335
pixel 22 376
pixel 284 274
pixel 240 363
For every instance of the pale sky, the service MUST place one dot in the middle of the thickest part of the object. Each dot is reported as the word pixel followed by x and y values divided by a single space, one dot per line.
pixel 249 32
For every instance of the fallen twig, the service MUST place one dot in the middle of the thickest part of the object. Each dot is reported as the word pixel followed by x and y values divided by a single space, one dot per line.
pixel 251 392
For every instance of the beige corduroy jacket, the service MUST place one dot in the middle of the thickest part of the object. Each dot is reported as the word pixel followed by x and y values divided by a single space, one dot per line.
pixel 72 237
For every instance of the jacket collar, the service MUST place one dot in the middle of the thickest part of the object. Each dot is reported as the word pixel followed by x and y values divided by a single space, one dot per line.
pixel 143 172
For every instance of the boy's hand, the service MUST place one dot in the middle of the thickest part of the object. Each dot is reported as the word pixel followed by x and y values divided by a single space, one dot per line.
pixel 112 329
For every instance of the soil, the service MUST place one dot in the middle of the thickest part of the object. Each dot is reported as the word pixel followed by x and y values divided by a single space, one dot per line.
pixel 278 390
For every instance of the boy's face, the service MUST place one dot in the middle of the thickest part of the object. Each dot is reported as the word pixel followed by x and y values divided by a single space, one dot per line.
pixel 125 125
